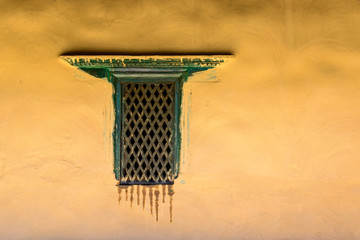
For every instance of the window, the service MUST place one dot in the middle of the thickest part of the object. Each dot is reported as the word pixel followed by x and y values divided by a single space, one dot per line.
pixel 148 132
pixel 147 100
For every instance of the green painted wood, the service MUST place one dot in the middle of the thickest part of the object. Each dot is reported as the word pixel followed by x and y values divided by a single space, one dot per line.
pixel 117 129
pixel 177 137
pixel 152 61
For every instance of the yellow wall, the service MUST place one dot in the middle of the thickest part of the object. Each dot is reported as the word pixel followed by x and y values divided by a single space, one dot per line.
pixel 272 150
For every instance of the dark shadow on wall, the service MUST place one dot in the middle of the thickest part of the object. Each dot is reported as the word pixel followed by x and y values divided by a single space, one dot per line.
pixel 142 53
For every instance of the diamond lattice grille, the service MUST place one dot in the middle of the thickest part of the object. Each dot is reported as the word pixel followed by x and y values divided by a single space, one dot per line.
pixel 148 133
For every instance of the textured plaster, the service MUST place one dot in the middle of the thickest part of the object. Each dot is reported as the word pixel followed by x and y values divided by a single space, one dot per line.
pixel 272 141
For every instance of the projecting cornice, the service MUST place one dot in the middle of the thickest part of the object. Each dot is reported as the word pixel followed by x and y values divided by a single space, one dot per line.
pixel 145 66
pixel 145 61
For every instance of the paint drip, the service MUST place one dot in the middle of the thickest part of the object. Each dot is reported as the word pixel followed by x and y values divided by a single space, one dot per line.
pixel 154 193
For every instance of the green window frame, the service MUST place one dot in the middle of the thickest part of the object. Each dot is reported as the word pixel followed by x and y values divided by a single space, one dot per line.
pixel 152 77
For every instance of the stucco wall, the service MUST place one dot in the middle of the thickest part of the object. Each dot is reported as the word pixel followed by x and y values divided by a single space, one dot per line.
pixel 270 141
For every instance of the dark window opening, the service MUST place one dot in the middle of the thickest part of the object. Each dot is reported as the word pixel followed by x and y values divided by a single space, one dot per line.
pixel 148 133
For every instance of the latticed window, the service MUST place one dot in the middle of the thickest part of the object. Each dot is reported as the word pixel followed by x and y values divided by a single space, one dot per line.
pixel 148 132
pixel 147 108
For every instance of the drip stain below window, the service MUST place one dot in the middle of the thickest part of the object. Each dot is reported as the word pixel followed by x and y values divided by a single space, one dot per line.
pixel 156 194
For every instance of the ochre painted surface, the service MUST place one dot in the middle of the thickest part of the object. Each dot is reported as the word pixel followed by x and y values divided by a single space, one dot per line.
pixel 270 144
